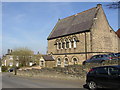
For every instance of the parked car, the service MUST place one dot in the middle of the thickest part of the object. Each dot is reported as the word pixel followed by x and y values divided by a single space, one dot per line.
pixel 97 59
pixel 104 77
pixel 115 56
pixel 11 69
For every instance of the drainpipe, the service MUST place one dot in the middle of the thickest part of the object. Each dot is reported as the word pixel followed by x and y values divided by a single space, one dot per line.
pixel 85 46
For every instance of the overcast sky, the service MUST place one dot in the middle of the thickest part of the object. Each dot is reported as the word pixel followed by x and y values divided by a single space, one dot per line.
pixel 28 24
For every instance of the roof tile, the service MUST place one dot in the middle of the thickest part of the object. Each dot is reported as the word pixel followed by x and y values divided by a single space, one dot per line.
pixel 74 24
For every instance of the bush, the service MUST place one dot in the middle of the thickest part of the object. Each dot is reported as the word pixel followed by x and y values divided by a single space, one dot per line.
pixel 4 68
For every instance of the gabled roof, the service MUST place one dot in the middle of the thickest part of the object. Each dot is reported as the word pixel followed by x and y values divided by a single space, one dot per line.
pixel 118 32
pixel 80 22
pixel 48 58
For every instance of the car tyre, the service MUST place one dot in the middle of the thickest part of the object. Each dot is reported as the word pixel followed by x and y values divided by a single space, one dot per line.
pixel 92 85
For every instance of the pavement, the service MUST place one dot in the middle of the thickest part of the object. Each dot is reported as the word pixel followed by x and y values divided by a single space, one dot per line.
pixel 11 81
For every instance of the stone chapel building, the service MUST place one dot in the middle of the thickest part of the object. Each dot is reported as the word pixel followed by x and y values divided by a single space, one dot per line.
pixel 78 37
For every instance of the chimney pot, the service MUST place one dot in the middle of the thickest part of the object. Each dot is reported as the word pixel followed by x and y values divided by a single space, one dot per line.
pixel 8 51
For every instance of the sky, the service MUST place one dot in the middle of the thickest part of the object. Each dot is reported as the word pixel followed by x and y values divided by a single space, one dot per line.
pixel 28 24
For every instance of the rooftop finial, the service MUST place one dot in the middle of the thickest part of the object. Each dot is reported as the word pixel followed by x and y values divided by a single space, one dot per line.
pixel 99 5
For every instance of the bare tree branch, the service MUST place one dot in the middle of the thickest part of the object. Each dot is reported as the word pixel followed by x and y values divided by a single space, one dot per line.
pixel 113 5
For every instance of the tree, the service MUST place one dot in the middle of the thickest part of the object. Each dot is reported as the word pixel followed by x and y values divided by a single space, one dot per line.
pixel 114 5
pixel 22 56
pixel 37 57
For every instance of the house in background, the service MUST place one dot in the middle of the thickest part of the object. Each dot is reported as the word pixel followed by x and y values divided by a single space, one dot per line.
pixel 78 37
pixel 7 59
pixel 10 60
pixel 47 61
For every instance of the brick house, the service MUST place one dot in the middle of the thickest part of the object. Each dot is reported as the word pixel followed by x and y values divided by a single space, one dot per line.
pixel 78 37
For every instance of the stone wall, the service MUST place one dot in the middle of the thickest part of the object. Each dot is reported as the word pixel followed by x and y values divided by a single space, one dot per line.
pixel 118 44
pixel 49 64
pixel 69 72
pixel 103 38
pixel 52 48
pixel 78 52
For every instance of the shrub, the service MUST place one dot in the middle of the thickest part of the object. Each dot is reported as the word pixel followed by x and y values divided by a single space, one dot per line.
pixel 4 68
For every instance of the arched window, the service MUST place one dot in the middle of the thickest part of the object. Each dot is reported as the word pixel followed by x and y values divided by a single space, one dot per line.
pixel 67 44
pixel 70 43
pixel 66 62
pixel 63 45
pixel 59 45
pixel 58 62
pixel 74 43
pixel 75 61
pixel 41 63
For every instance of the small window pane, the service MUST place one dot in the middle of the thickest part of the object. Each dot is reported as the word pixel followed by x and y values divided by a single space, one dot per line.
pixel 113 71
pixel 102 71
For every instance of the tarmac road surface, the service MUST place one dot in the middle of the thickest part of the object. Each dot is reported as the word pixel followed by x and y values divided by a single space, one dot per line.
pixel 11 81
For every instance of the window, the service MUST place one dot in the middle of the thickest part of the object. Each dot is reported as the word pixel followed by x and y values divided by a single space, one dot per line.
pixel 94 57
pixel 58 62
pixel 75 61
pixel 11 57
pixel 66 62
pixel 11 64
pixel 63 45
pixel 113 71
pixel 74 43
pixel 59 45
pixel 102 71
pixel 67 44
pixel 42 63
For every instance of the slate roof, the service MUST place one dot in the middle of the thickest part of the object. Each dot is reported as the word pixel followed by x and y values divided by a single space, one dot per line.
pixel 77 23
pixel 118 32
pixel 48 58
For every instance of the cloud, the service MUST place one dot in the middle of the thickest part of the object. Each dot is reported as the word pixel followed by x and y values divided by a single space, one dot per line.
pixel 19 18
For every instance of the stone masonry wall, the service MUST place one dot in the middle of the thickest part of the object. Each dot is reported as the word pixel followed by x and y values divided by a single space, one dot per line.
pixel 118 44
pixel 104 38
pixel 80 45
pixel 52 49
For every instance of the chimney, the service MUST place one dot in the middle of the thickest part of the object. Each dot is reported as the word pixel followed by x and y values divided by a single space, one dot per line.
pixel 8 51
pixel 58 19
pixel 11 50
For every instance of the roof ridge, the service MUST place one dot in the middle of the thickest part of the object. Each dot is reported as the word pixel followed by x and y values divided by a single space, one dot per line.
pixel 78 13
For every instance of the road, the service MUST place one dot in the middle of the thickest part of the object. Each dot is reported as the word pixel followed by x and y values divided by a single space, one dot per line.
pixel 11 81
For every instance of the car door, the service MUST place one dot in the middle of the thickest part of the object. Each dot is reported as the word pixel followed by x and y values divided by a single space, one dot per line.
pixel 114 77
pixel 102 76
